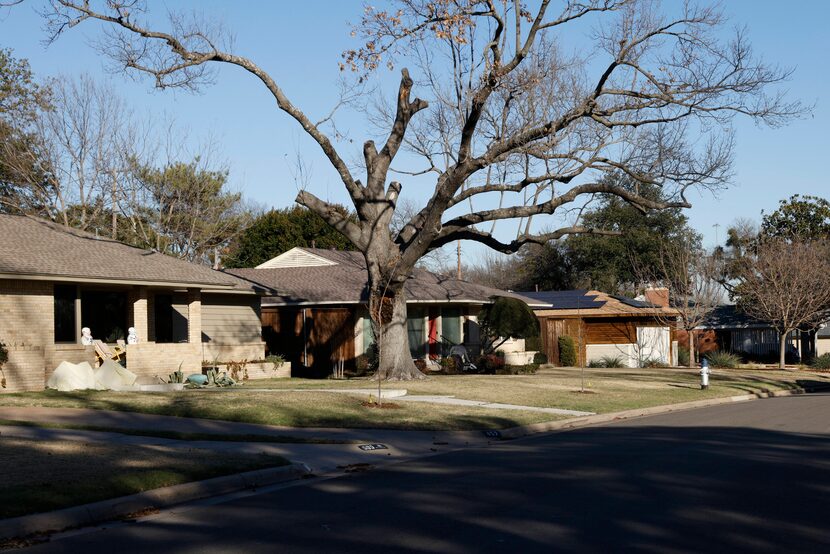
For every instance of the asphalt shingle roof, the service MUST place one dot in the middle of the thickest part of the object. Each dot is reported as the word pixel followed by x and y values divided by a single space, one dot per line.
pixel 37 247
pixel 346 283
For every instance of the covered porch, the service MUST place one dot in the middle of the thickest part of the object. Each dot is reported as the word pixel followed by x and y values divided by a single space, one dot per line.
pixel 167 323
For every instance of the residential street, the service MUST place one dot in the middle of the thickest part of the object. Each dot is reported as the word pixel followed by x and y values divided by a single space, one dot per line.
pixel 752 476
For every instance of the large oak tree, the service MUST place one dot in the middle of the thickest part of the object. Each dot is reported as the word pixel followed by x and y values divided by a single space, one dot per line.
pixel 517 103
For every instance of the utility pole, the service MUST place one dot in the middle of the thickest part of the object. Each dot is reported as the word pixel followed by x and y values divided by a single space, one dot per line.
pixel 458 271
pixel 717 237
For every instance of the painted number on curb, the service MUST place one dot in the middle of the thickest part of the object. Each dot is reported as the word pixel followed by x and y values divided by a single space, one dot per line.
pixel 373 447
pixel 492 434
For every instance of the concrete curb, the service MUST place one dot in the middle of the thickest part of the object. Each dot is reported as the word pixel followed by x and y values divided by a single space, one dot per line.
pixel 577 422
pixel 115 508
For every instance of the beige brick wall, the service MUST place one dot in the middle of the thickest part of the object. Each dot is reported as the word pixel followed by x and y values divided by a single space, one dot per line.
pixel 152 359
pixel 25 370
pixel 233 352
pixel 27 313
pixel 263 370
pixel 74 353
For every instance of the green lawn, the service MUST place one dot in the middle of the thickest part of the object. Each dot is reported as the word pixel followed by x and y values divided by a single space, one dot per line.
pixel 283 404
pixel 43 475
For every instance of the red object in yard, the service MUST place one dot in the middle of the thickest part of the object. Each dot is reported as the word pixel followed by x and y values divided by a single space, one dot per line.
pixel 434 351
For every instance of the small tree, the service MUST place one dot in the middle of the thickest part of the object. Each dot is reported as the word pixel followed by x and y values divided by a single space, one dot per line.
pixel 567 351
pixel 690 274
pixel 507 318
pixel 786 284
pixel 4 357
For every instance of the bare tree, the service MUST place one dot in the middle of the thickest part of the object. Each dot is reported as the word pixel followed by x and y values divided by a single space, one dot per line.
pixel 690 275
pixel 513 117
pixel 786 284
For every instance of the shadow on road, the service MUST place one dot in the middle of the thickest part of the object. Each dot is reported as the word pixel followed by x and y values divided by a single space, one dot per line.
pixel 639 487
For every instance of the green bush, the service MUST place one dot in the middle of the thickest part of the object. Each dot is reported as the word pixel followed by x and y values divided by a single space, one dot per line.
pixel 527 369
pixel 567 351
pixel 533 343
pixel 653 363
pixel 595 364
pixel 683 356
pixel 276 359
pixel 540 358
pixel 613 361
pixel 723 360
pixel 821 362
pixel 507 318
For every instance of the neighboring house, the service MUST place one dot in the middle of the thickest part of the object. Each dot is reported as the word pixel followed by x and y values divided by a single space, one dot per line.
pixel 729 329
pixel 823 340
pixel 319 315
pixel 54 281
pixel 603 325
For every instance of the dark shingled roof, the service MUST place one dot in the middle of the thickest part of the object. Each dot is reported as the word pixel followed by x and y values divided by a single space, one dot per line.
pixel 346 283
pixel 730 316
pixel 567 299
pixel 36 247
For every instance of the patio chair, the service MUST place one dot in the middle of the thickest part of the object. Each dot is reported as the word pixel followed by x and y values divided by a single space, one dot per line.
pixel 104 351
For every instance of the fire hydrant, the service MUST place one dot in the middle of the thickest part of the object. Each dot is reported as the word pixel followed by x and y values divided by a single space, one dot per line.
pixel 704 374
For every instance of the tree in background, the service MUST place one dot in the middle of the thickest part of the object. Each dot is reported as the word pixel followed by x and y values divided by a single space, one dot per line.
pixel 805 218
pixel 785 283
pixel 611 263
pixel 277 231
pixel 514 112
pixel 24 186
pixel 690 274
pixel 186 211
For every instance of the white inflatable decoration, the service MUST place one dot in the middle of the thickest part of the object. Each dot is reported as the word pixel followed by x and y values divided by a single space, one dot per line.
pixel 132 336
pixel 68 376
pixel 86 336
pixel 112 376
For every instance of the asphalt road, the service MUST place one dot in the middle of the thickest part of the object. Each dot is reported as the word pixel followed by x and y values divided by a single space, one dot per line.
pixel 753 476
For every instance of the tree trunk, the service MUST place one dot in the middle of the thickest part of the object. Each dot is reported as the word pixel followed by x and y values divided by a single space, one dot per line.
pixel 387 307
pixel 691 334
pixel 782 349
pixel 394 358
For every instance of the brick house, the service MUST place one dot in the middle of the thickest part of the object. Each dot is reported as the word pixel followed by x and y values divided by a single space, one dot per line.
pixel 55 280
pixel 636 331
pixel 318 314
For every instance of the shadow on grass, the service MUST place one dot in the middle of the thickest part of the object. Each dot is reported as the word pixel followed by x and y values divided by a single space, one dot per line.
pixel 48 475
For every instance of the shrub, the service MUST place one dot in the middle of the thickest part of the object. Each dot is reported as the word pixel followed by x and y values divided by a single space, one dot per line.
pixel 450 365
pixel 540 358
pixel 821 362
pixel 653 363
pixel 567 351
pixel 533 343
pixel 613 361
pixel 595 364
pixel 276 359
pixel 526 369
pixel 4 357
pixel 490 363
pixel 723 360
pixel 682 356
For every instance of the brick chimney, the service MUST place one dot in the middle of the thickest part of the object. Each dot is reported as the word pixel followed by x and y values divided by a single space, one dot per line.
pixel 658 296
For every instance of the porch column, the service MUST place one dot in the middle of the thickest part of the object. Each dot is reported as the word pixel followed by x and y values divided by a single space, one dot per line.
pixel 140 314
pixel 194 316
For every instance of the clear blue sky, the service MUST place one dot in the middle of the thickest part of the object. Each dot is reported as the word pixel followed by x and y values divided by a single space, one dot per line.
pixel 300 44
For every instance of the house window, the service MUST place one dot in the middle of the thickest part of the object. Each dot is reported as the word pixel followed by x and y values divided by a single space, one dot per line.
pixel 415 330
pixel 451 325
pixel 105 313
pixel 65 330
